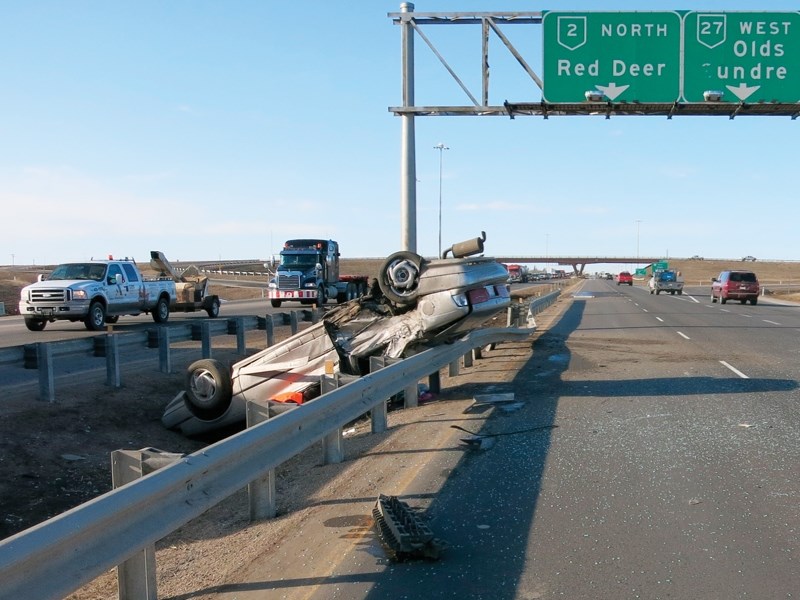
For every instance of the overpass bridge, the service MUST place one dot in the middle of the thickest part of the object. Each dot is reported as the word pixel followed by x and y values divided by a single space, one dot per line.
pixel 578 263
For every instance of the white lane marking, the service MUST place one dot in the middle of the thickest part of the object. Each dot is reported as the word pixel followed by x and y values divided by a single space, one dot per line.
pixel 684 336
pixel 659 319
pixel 734 369
pixel 748 316
pixel 693 299
pixel 724 310
pixel 770 322
pixel 645 310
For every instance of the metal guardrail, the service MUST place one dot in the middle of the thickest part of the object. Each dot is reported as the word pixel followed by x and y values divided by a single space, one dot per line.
pixel 58 556
pixel 54 558
pixel 41 355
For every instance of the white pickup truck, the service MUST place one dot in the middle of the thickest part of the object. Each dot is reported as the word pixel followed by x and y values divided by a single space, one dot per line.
pixel 669 282
pixel 95 292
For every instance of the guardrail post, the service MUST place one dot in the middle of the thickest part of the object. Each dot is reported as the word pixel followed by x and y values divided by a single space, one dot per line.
pixel 454 368
pixel 332 450
pixel 435 382
pixel 44 358
pixel 136 577
pixel 112 361
pixel 205 339
pixel 164 356
pixel 241 346
pixel 477 353
pixel 468 359
pixel 269 326
pixel 293 321
pixel 261 492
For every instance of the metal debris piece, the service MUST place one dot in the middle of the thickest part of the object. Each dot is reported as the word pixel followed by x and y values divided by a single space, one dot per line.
pixel 402 531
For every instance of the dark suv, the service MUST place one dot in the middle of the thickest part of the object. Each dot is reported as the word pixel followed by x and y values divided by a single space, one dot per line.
pixel 735 285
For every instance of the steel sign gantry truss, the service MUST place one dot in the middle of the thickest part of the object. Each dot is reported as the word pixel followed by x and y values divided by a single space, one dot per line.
pixel 493 22
pixel 411 23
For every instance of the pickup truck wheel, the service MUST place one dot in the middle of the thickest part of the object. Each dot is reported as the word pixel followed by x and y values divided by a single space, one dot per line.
pixel 754 300
pixel 113 319
pixel 722 299
pixel 96 318
pixel 399 277
pixel 713 298
pixel 652 291
pixel 213 308
pixel 208 389
pixel 35 324
pixel 161 311
pixel 275 303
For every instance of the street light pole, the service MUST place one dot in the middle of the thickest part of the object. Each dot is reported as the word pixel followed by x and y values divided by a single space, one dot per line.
pixel 440 146
pixel 638 222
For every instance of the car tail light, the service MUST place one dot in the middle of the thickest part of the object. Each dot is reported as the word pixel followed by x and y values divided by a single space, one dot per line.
pixel 478 296
pixel 502 291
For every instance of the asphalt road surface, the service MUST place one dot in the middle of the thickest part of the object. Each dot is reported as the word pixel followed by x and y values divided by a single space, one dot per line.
pixel 655 454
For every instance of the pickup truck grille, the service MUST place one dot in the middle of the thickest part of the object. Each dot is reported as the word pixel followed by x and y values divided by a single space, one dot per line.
pixel 288 282
pixel 49 296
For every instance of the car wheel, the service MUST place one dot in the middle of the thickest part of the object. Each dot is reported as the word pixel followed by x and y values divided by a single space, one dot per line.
pixel 161 311
pixel 713 298
pixel 399 277
pixel 652 291
pixel 35 324
pixel 680 292
pixel 722 299
pixel 213 308
pixel 275 303
pixel 96 318
pixel 743 301
pixel 208 389
pixel 754 300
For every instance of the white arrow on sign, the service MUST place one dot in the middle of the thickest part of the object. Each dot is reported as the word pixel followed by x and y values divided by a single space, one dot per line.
pixel 742 92
pixel 612 90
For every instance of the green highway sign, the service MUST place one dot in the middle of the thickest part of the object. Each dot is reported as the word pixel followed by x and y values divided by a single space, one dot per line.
pixel 617 56
pixel 749 56
pixel 660 266
pixel 641 272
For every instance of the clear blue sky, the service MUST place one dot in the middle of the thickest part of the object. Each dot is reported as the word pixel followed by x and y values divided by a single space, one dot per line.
pixel 220 129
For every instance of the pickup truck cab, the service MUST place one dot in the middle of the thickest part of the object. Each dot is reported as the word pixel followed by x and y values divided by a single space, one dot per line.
pixel 95 292
pixel 625 277
pixel 669 282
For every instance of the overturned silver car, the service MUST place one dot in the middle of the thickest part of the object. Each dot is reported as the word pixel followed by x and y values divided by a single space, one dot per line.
pixel 415 303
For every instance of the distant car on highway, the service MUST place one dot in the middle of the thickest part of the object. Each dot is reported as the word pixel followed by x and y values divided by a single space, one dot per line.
pixel 749 259
pixel 624 277
pixel 696 257
pixel 414 304
pixel 735 285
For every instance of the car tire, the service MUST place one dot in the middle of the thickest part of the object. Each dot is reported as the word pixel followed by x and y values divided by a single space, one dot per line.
pixel 713 298
pixel 35 324
pixel 722 299
pixel 754 300
pixel 208 389
pixel 275 303
pixel 161 311
pixel 399 277
pixel 96 318
pixel 213 308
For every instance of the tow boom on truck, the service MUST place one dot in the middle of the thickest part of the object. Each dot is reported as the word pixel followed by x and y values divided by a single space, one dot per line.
pixel 191 288
pixel 309 273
